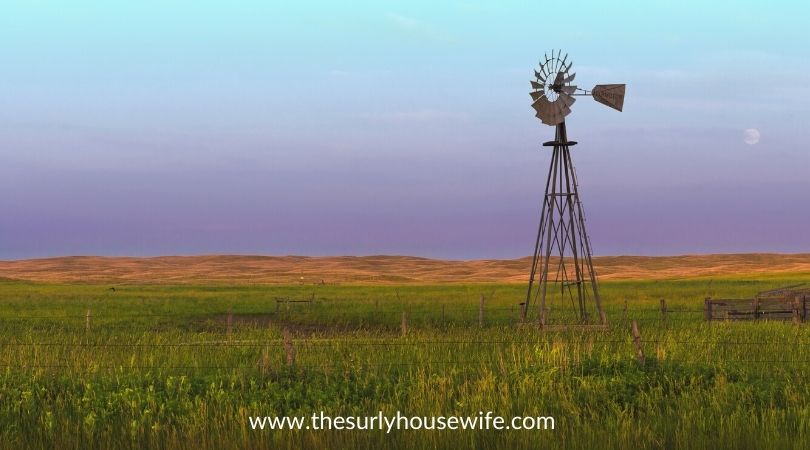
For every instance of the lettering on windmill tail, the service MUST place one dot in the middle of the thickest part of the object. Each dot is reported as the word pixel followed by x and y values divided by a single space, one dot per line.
pixel 610 95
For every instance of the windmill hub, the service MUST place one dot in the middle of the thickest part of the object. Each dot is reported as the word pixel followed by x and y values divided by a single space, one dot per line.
pixel 562 269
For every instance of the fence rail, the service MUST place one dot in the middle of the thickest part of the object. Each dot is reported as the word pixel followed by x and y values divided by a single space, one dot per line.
pixel 771 307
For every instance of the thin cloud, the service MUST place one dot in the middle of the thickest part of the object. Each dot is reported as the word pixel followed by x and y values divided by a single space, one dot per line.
pixel 404 22
pixel 422 115
pixel 419 28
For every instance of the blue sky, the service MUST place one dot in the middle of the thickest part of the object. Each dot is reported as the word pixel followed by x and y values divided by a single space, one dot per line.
pixel 147 128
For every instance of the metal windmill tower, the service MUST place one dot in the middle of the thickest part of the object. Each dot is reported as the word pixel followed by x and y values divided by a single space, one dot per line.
pixel 561 265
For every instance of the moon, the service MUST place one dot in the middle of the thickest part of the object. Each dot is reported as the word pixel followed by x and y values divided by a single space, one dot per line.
pixel 751 136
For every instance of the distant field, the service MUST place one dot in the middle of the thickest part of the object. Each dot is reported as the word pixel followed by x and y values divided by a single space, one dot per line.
pixel 380 269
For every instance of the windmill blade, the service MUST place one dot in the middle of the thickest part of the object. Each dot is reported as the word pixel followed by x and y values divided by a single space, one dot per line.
pixel 556 119
pixel 609 94
pixel 567 99
pixel 549 120
pixel 569 89
pixel 539 76
pixel 547 67
pixel 547 112
pixel 537 94
pixel 554 61
pixel 542 104
pixel 562 108
pixel 550 113
pixel 536 85
pixel 570 78
pixel 562 67
pixel 568 69
pixel 558 79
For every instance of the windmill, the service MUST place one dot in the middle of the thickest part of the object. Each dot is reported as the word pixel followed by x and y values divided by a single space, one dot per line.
pixel 561 265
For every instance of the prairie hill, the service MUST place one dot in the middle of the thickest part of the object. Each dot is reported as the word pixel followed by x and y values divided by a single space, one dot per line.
pixel 236 269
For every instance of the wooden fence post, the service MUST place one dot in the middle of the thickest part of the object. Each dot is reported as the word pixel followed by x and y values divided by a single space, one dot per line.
pixel 797 312
pixel 312 299
pixel 624 312
pixel 663 309
pixel 264 364
pixel 376 304
pixel 523 307
pixel 87 321
pixel 404 325
pixel 541 319
pixel 481 312
pixel 288 348
pixel 707 309
pixel 756 308
pixel 443 320
pixel 637 342
pixel 230 323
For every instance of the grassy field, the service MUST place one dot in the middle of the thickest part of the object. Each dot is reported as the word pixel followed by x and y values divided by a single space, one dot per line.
pixel 165 366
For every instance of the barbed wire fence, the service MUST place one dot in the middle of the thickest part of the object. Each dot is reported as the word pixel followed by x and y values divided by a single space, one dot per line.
pixel 629 336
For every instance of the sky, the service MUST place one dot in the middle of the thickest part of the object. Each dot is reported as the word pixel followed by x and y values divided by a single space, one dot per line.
pixel 382 127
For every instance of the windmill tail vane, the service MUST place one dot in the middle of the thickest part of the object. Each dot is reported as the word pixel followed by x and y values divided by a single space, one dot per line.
pixel 562 278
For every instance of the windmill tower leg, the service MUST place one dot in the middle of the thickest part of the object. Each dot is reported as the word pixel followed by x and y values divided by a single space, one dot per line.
pixel 561 235
pixel 539 244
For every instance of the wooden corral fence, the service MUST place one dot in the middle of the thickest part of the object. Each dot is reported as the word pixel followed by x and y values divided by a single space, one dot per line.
pixel 287 301
pixel 761 307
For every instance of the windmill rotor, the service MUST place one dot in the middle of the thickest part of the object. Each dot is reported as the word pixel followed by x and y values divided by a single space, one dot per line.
pixel 553 94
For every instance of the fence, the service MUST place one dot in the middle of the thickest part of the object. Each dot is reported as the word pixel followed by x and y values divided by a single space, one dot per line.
pixel 783 308
pixel 631 335
pixel 479 313
pixel 283 352
pixel 336 318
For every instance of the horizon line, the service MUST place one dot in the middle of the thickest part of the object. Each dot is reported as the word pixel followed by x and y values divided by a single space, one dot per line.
pixel 380 255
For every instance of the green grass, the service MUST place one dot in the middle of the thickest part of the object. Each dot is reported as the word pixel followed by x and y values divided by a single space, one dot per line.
pixel 160 369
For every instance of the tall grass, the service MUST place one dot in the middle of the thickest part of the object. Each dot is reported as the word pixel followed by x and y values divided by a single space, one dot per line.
pixel 159 367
